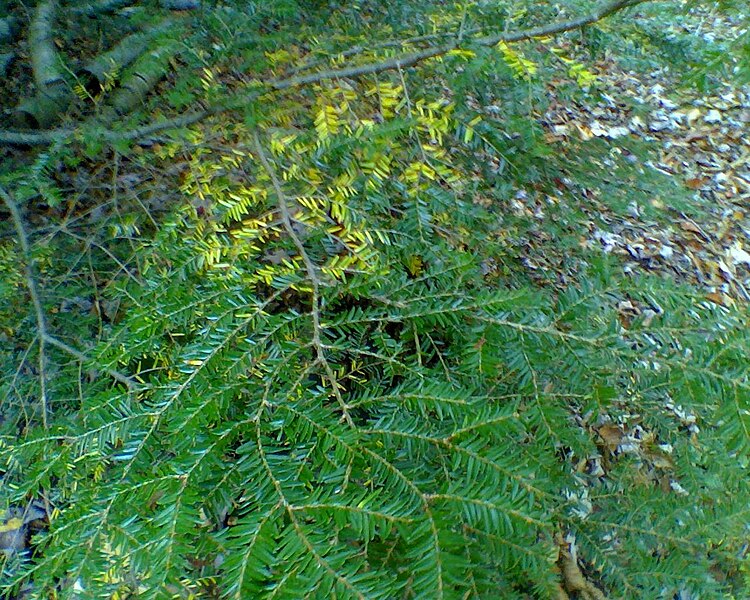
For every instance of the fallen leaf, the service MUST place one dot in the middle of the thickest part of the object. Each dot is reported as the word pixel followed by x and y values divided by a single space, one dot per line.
pixel 11 525
pixel 738 254
pixel 617 132
pixel 659 460
pixel 693 114
pixel 690 227
pixel 598 129
pixel 612 435
pixel 720 299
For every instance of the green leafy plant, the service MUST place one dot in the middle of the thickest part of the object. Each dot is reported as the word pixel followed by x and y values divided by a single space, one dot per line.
pixel 321 384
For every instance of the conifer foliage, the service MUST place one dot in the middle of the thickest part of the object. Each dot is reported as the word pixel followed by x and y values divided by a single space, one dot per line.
pixel 328 375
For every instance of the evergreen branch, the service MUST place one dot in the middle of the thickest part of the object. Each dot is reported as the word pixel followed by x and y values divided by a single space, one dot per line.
pixel 386 359
pixel 72 439
pixel 288 508
pixel 352 509
pixel 478 312
pixel 131 383
pixel 368 400
pixel 456 435
pixel 362 449
pixel 446 443
pixel 486 504
pixel 474 426
pixel 320 559
pixel 248 547
pixel 9 137
pixel 503 540
pixel 184 479
pixel 156 420
pixel 312 275
pixel 536 394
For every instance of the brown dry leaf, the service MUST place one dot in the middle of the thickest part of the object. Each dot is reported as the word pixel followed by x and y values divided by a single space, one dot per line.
pixel 660 460
pixel 612 435
pixel 702 142
pixel 691 228
pixel 738 254
pixel 720 298
pixel 585 131
pixel 693 114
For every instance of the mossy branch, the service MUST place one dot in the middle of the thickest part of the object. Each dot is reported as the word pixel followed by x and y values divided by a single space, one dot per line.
pixel 43 54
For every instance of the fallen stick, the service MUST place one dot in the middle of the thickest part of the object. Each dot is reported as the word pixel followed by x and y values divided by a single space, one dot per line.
pixel 110 63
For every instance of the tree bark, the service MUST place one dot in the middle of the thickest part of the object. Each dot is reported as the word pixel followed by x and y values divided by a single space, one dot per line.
pixel 42 46
pixel 119 56
pixel 151 68
pixel 42 110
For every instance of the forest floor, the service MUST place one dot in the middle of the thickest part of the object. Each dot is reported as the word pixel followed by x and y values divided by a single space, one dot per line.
pixel 640 132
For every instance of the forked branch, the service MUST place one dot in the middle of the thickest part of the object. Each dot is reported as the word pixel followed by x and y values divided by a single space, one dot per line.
pixel 312 275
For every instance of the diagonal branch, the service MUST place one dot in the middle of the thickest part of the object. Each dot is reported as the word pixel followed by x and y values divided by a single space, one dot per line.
pixel 129 382
pixel 408 60
pixel 391 64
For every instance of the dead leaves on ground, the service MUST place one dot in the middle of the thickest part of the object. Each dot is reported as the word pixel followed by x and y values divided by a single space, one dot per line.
pixel 703 144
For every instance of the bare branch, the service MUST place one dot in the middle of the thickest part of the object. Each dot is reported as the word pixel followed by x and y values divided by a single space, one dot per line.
pixel 43 335
pixel 312 275
pixel 41 322
pixel 554 28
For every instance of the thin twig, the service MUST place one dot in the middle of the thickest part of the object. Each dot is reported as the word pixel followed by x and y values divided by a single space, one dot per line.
pixel 354 50
pixel 43 335
pixel 245 97
pixel 129 382
pixel 311 274
pixel 41 322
